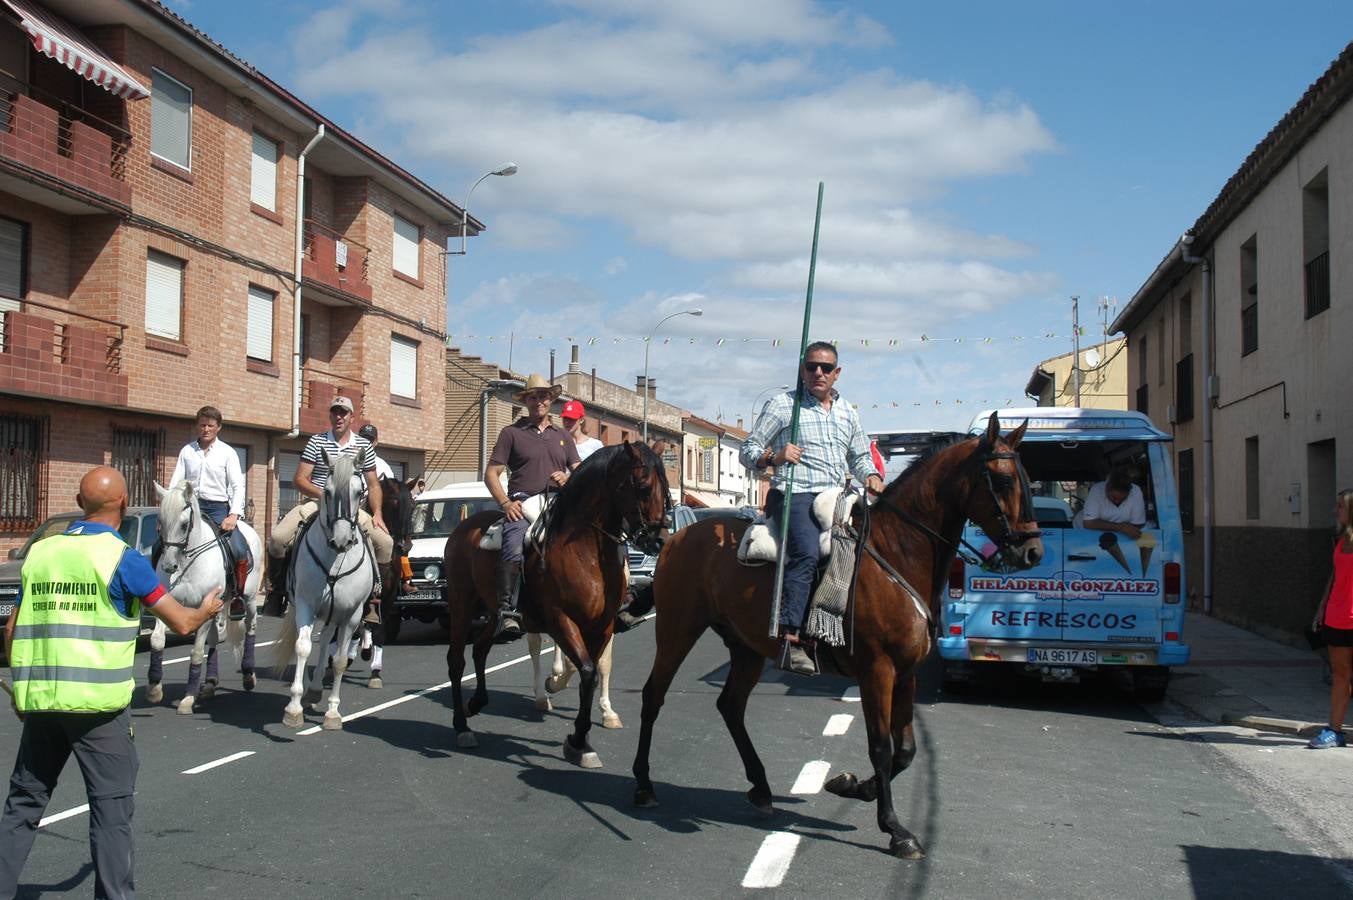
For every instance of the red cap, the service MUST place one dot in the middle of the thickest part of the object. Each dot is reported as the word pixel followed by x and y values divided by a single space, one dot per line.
pixel 572 410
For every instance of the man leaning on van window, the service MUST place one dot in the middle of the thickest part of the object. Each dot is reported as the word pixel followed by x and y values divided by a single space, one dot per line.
pixel 1115 504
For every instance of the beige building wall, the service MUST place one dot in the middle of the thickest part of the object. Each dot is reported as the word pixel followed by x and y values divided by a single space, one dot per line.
pixel 1103 377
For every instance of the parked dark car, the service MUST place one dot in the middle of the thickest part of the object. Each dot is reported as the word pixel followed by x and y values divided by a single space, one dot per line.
pixel 642 564
pixel 140 527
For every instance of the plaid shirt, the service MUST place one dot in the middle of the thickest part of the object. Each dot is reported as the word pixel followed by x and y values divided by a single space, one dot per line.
pixel 832 440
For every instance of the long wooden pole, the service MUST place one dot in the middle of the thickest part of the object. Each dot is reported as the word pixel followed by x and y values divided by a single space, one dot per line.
pixel 788 493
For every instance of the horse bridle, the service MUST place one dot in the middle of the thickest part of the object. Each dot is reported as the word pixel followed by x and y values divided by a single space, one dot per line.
pixel 1009 538
pixel 190 556
pixel 350 515
pixel 646 530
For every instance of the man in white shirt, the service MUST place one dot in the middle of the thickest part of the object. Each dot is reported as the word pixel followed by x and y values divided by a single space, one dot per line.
pixel 213 468
pixel 1115 504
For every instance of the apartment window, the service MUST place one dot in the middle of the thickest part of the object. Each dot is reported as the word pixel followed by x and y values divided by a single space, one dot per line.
pixel 1315 239
pixel 403 367
pixel 1185 325
pixel 1186 489
pixel 23 463
pixel 13 267
pixel 1183 389
pixel 164 295
pixel 287 495
pixel 263 173
pixel 1249 296
pixel 1252 477
pixel 1160 350
pixel 259 340
pixel 171 119
pixel 136 454
pixel 407 237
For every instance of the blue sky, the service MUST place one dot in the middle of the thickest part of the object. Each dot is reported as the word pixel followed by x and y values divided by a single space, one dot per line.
pixel 983 162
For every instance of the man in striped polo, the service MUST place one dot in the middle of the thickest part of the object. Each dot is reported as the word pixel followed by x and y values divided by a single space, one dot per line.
pixel 312 474
pixel 71 644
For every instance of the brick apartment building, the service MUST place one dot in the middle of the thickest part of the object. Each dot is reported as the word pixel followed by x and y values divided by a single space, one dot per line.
pixel 152 221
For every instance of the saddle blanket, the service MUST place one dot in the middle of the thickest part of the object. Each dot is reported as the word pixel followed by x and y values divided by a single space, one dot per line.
pixel 531 509
pixel 761 542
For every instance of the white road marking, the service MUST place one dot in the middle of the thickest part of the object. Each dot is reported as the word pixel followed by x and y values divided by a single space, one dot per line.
pixel 424 692
pixel 852 695
pixel 198 770
pixel 838 724
pixel 811 777
pixel 772 861
pixel 68 814
pixel 182 659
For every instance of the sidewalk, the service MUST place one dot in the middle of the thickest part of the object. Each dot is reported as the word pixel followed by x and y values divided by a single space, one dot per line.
pixel 1235 677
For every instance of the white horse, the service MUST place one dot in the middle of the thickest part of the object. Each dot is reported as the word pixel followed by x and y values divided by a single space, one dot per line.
pixel 563 671
pixel 191 565
pixel 331 577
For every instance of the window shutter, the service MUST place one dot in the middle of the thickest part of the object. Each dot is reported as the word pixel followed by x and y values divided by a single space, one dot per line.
pixel 243 454
pixel 164 295
pixel 397 467
pixel 260 324
pixel 263 174
pixel 405 257
pixel 287 495
pixel 403 367
pixel 171 108
pixel 11 261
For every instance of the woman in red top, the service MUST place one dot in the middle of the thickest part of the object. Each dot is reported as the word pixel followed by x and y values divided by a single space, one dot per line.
pixel 1336 619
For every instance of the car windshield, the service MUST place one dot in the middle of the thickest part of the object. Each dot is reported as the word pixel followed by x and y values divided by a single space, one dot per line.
pixel 1061 474
pixel 52 526
pixel 438 518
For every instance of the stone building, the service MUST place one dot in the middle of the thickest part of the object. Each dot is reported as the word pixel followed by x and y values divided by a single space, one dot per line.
pixel 160 250
pixel 1236 345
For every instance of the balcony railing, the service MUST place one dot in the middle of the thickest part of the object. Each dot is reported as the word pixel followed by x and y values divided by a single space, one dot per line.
pixel 336 261
pixel 1318 285
pixel 319 388
pixel 42 132
pixel 68 355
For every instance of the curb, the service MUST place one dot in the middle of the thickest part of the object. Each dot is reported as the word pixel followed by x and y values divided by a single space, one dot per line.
pixel 1270 723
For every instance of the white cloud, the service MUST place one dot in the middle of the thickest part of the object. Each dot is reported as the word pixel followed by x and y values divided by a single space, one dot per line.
pixel 615 265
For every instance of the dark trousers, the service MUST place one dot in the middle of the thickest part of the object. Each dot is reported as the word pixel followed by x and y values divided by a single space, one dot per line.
pixel 801 553
pixel 514 535
pixel 103 747
pixel 217 510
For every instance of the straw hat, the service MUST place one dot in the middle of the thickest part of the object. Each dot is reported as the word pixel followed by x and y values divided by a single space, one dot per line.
pixel 535 382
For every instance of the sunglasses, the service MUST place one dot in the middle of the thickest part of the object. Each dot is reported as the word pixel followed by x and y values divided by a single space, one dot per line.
pixel 339 411
pixel 826 368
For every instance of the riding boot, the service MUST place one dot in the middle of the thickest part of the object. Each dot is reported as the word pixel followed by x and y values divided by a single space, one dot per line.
pixel 237 607
pixel 793 658
pixel 277 585
pixel 509 587
pixel 640 603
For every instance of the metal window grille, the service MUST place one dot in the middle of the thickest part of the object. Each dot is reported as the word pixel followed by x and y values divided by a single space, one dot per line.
pixel 1318 285
pixel 23 471
pixel 136 454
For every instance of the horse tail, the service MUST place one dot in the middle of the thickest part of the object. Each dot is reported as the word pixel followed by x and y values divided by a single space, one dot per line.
pixel 235 634
pixel 284 651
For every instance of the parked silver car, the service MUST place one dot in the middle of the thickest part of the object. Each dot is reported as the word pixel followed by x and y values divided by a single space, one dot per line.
pixel 642 564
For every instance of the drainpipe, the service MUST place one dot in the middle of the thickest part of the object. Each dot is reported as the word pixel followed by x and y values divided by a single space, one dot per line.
pixel 483 429
pixel 296 304
pixel 1209 379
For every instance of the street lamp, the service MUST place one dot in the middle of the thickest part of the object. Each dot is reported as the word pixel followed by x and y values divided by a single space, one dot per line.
pixel 509 169
pixel 696 311
pixel 752 420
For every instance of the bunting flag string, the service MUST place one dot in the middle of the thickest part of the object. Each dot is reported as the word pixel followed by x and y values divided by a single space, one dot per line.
pixel 891 343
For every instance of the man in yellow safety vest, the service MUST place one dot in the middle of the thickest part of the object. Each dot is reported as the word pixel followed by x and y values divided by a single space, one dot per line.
pixel 71 644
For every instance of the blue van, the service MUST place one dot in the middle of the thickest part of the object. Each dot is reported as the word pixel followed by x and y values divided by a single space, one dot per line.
pixel 1100 599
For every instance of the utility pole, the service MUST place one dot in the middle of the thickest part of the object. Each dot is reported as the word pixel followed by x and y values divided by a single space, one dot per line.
pixel 1076 345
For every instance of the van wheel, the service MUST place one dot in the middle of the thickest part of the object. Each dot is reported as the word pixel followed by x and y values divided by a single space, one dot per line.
pixel 1149 683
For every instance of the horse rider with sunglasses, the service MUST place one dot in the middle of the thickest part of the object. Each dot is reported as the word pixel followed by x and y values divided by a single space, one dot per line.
pixel 538 457
pixel 831 445
pixel 312 474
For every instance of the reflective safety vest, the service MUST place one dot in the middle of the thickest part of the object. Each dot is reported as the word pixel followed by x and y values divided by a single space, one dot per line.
pixel 73 650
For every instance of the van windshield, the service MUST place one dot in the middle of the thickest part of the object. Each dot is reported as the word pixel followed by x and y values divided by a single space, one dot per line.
pixel 1061 474
pixel 438 518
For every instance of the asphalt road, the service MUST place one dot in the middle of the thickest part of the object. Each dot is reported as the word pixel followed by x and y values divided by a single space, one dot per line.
pixel 1067 791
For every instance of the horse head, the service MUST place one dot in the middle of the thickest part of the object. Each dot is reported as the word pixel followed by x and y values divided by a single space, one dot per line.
pixel 637 483
pixel 179 515
pixel 1004 510
pixel 341 501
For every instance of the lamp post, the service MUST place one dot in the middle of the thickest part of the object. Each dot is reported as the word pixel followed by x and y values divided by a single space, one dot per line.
pixel 509 169
pixel 752 420
pixel 696 311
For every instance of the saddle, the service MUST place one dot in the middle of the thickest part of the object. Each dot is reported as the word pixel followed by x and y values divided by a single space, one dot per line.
pixel 532 509
pixel 299 542
pixel 228 553
pixel 761 543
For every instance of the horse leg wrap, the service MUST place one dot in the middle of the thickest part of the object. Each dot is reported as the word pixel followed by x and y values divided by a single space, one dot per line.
pixel 213 665
pixel 247 661
pixel 194 676
pixel 156 672
pixel 377 657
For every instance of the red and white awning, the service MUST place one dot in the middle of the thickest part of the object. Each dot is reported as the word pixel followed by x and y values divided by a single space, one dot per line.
pixel 64 43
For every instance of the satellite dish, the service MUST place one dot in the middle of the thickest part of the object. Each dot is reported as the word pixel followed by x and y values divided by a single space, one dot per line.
pixel 1092 357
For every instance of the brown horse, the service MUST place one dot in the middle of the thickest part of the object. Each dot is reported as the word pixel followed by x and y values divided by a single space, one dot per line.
pixel 573 578
pixel 912 536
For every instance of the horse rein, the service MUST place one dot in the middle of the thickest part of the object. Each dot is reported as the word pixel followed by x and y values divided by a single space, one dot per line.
pixel 626 536
pixel 190 555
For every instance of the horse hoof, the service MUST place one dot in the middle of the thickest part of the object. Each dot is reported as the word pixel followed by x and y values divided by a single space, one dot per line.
pixel 906 848
pixel 843 785
pixel 586 758
pixel 543 704
pixel 466 740
pixel 207 691
pixel 293 719
pixel 185 707
pixel 475 705
pixel 250 681
pixel 332 722
pixel 311 698
pixel 611 720
pixel 644 798
pixel 555 684
pixel 375 683
pixel 761 799
pixel 154 693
